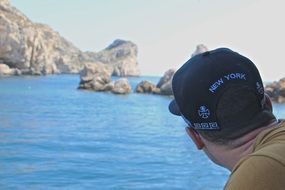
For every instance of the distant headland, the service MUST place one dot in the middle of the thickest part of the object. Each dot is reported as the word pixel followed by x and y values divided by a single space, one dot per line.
pixel 28 48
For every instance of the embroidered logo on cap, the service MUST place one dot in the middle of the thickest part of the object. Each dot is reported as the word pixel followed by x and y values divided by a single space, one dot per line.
pixel 259 88
pixel 204 112
pixel 202 126
pixel 232 76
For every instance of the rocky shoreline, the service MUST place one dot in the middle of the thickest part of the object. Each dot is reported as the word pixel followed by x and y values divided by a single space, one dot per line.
pixel 28 48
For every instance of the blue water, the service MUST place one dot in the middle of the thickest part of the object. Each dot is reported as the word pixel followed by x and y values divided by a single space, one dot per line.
pixel 53 136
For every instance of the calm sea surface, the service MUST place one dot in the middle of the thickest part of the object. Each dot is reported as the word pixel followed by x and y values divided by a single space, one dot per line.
pixel 53 136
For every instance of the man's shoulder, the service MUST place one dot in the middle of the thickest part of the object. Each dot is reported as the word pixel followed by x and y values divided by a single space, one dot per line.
pixel 264 168
pixel 271 145
pixel 258 172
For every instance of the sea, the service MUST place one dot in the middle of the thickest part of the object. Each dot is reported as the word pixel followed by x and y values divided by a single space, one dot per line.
pixel 54 136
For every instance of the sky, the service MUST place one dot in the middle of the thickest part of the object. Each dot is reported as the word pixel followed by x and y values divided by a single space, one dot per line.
pixel 168 31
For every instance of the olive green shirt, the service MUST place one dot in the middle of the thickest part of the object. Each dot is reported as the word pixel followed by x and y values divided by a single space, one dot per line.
pixel 264 168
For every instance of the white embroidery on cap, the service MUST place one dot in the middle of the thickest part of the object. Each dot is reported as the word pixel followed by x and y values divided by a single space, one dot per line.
pixel 209 126
pixel 216 85
pixel 259 88
pixel 221 81
pixel 213 125
pixel 204 112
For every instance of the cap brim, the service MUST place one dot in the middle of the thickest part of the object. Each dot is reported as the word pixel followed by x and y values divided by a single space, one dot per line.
pixel 173 108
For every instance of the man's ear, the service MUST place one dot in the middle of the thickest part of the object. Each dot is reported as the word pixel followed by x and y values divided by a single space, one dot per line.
pixel 268 102
pixel 195 138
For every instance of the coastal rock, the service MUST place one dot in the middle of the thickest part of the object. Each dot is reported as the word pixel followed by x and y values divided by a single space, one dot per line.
pixel 276 90
pixel 165 83
pixel 121 86
pixel 6 70
pixel 121 54
pixel 32 47
pixel 95 77
pixel 163 87
pixel 147 87
pixel 201 48
pixel 36 49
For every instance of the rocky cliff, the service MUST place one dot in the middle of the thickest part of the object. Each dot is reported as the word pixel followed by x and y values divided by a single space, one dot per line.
pixel 122 55
pixel 32 48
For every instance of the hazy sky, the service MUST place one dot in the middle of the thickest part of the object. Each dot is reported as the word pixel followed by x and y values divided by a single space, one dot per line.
pixel 167 31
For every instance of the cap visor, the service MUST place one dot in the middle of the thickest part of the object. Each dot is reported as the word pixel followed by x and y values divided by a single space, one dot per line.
pixel 173 108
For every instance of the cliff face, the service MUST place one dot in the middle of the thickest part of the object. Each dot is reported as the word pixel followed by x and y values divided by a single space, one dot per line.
pixel 35 48
pixel 122 55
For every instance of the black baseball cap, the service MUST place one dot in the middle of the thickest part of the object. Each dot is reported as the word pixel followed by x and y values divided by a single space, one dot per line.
pixel 200 83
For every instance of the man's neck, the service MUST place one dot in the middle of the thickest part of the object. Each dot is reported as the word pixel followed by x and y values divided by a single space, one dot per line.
pixel 242 146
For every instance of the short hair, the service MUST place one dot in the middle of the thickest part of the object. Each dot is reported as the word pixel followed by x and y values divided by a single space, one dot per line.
pixel 239 112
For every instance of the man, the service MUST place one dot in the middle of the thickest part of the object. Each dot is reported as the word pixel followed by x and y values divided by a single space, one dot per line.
pixel 220 96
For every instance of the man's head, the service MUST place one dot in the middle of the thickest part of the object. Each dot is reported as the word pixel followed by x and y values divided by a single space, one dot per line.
pixel 220 95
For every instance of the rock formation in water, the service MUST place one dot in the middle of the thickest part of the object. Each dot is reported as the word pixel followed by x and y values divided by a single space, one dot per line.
pixel 163 87
pixel 36 49
pixel 97 77
pixel 147 87
pixel 121 86
pixel 165 82
pixel 6 70
pixel 276 90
